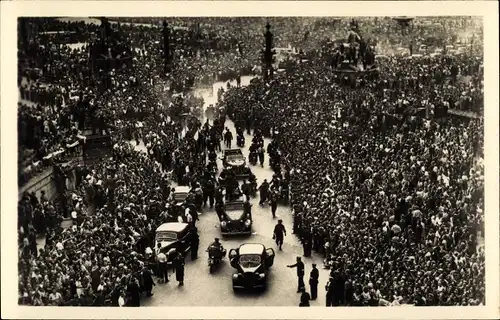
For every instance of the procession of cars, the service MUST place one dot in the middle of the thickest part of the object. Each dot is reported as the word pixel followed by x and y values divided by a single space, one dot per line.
pixel 252 261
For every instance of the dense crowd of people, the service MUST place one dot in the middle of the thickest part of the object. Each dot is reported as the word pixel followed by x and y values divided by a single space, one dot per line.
pixel 396 198
pixel 381 182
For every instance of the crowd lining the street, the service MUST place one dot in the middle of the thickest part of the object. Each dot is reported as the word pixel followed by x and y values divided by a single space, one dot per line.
pixel 391 197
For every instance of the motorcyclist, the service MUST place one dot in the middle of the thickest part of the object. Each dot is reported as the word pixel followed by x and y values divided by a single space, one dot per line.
pixel 239 130
pixel 216 249
pixel 216 243
pixel 240 139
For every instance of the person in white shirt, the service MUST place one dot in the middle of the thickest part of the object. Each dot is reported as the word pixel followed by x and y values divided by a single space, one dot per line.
pixel 162 264
pixel 189 217
pixel 55 298
pixel 180 219
pixel 121 299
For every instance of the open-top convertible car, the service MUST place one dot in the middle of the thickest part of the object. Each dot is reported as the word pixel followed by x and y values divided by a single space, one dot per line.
pixel 235 159
pixel 236 218
pixel 252 262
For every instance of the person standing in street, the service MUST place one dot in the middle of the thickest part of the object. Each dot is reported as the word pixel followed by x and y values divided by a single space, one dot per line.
pixel 300 274
pixel 273 199
pixel 208 193
pixel 228 138
pixel 133 291
pixel 313 281
pixel 329 292
pixel 307 242
pixel 279 233
pixel 162 265
pixel 148 281
pixel 263 190
pixel 179 268
pixel 195 243
pixel 260 153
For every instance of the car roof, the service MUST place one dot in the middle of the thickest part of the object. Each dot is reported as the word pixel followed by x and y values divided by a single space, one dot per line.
pixel 251 248
pixel 182 189
pixel 172 226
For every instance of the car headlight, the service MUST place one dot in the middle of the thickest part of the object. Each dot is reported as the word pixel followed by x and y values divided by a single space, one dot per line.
pixel 261 275
pixel 223 224
pixel 248 222
pixel 236 276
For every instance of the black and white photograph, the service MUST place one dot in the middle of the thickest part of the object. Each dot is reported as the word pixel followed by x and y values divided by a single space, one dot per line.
pixel 250 161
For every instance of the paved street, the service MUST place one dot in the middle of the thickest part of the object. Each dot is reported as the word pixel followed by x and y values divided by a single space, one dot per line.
pixel 204 289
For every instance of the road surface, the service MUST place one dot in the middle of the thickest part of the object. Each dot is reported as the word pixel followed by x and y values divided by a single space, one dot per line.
pixel 204 289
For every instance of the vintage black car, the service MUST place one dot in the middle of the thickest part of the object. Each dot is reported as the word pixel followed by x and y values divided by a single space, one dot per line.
pixel 235 159
pixel 236 218
pixel 252 262
pixel 173 236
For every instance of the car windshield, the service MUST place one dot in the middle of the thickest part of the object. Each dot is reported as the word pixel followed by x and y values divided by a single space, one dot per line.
pixel 234 157
pixel 180 196
pixel 166 236
pixel 232 206
pixel 250 260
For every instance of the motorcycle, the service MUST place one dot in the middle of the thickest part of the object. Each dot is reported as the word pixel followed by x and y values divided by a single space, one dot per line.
pixel 215 257
pixel 240 141
pixel 252 158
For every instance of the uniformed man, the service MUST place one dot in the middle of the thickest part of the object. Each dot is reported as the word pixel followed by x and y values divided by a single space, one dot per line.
pixel 228 138
pixel 300 274
pixel 148 281
pixel 195 243
pixel 209 192
pixel 179 268
pixel 133 291
pixel 273 199
pixel 313 282
pixel 329 292
pixel 260 154
pixel 279 233
pixel 307 242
